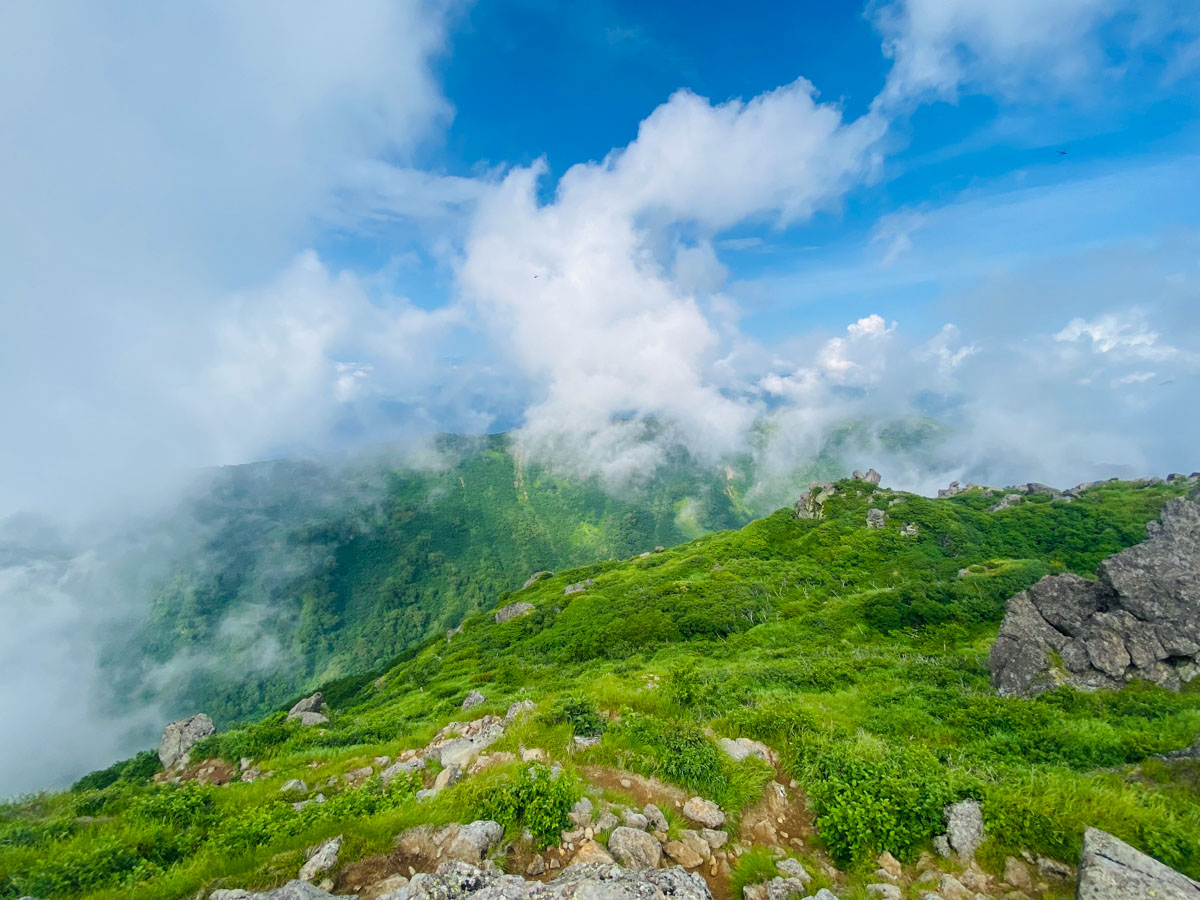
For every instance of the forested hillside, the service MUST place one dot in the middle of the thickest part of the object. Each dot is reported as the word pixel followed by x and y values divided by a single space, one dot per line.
pixel 306 571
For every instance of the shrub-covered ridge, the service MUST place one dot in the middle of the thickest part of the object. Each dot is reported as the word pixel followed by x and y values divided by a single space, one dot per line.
pixel 857 654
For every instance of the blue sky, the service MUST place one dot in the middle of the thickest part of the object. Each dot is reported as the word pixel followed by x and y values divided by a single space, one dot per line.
pixel 245 231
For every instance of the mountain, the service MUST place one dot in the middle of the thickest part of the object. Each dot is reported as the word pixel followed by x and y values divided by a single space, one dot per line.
pixel 816 680
pixel 285 574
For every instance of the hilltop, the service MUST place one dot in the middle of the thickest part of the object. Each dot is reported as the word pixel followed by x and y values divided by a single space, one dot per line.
pixel 810 687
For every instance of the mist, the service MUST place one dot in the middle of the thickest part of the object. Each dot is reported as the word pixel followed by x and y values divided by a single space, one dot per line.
pixel 277 259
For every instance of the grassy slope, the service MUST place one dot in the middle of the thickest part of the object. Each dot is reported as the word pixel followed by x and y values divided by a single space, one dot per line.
pixel 858 654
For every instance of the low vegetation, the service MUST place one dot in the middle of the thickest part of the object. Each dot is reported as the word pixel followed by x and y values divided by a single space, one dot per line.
pixel 857 654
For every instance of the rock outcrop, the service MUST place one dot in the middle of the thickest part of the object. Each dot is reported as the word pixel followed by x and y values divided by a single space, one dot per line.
pixel 536 577
pixel 1110 869
pixel 472 700
pixel 1139 620
pixel 811 504
pixel 178 738
pixel 308 711
pixel 513 611
pixel 457 881
pixel 321 859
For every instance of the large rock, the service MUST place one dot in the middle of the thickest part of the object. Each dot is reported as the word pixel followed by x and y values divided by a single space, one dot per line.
pixel 322 859
pixel 472 700
pixel 465 843
pixel 1110 869
pixel 475 842
pixel 704 812
pixel 308 704
pixel 293 890
pixel 179 737
pixel 634 849
pixel 964 828
pixel 811 504
pixel 590 881
pixel 513 611
pixel 1139 620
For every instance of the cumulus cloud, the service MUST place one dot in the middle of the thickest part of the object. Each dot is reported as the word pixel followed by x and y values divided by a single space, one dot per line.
pixel 599 298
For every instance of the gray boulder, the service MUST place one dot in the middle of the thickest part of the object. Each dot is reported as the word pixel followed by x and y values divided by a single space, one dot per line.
pixel 811 504
pixel 293 890
pixel 309 718
pixel 964 828
pixel 308 711
pixel 655 818
pixel 587 881
pixel 1139 620
pixel 875 518
pixel 634 849
pixel 704 812
pixel 536 577
pixel 513 611
pixel 472 700
pixel 475 842
pixel 1110 869
pixel 308 704
pixel 321 859
pixel 402 768
pixel 179 737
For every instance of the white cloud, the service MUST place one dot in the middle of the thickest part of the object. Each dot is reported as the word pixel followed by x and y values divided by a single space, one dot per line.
pixel 601 306
pixel 1124 333
pixel 938 46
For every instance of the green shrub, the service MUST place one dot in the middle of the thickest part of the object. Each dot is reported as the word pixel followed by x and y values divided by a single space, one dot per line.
pixel 754 866
pixel 870 797
pixel 251 741
pixel 138 769
pixel 578 712
pixel 533 799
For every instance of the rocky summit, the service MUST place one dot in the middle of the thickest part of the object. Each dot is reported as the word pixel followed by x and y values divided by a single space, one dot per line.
pixel 1140 619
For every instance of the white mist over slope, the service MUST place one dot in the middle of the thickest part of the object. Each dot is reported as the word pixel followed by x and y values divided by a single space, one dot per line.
pixel 163 309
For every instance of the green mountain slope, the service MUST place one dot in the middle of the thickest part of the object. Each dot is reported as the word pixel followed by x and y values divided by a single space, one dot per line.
pixel 305 572
pixel 856 654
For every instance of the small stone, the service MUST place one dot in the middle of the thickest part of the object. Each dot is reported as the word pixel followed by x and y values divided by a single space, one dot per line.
pixel 683 854
pixel 952 889
pixel 654 817
pixel 1017 874
pixel 536 866
pixel 889 864
pixel 885 891
pixel 294 786
pixel 634 849
pixel 581 812
pixel 716 839
pixel 704 812
pixel 634 820
pixel 793 868
pixel 591 852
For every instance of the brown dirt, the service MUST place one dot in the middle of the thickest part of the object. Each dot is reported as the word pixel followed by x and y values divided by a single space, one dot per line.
pixel 781 811
pixel 641 790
